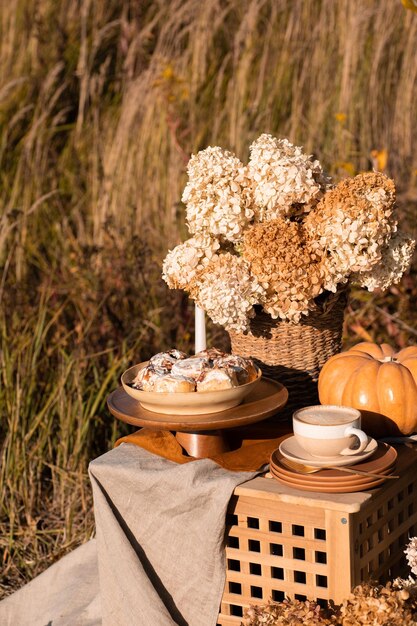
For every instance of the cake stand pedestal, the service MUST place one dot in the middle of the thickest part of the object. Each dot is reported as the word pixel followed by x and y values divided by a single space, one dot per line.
pixel 203 436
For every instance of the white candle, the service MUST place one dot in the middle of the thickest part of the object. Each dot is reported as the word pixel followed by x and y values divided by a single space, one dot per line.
pixel 200 330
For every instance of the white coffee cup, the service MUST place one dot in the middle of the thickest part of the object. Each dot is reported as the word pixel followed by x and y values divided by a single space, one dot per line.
pixel 327 430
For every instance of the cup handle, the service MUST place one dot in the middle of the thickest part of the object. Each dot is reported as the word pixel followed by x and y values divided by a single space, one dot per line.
pixel 363 440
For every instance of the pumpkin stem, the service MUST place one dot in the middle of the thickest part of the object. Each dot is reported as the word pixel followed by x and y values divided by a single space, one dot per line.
pixel 388 359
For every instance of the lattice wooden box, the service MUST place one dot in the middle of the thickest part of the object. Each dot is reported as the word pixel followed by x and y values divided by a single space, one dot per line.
pixel 283 542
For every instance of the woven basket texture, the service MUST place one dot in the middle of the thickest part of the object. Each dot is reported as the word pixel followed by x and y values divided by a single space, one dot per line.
pixel 293 354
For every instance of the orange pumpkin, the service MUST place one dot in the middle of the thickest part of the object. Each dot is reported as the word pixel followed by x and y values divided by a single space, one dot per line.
pixel 378 381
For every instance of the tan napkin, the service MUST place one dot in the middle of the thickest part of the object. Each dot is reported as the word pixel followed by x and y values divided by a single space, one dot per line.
pixel 251 446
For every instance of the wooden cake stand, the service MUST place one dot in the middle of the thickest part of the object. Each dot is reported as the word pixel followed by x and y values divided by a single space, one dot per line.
pixel 203 435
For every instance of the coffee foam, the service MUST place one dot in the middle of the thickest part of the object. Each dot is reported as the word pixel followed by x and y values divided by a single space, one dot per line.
pixel 325 417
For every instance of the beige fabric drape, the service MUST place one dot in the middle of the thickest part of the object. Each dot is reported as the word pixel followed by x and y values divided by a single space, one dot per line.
pixel 66 594
pixel 158 558
pixel 160 532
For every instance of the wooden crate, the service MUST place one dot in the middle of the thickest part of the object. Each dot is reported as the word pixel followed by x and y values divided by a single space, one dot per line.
pixel 283 542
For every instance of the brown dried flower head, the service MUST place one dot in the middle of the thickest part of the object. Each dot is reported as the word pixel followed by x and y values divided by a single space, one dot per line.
pixel 286 266
pixel 378 605
pixel 287 613
pixel 368 605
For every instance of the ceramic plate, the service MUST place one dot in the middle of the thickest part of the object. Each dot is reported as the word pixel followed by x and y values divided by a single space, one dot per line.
pixel 291 450
pixel 382 461
pixel 193 403
pixel 312 479
pixel 353 479
pixel 339 488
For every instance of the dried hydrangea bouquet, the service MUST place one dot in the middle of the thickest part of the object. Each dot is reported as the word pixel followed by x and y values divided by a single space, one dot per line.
pixel 274 247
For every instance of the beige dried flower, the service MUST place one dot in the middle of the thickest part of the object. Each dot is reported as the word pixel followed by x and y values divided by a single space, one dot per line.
pixel 396 257
pixel 297 238
pixel 218 195
pixel 286 181
pixel 404 583
pixel 227 291
pixel 368 605
pixel 288 269
pixel 287 613
pixel 352 224
pixel 183 262
pixel 411 554
pixel 378 605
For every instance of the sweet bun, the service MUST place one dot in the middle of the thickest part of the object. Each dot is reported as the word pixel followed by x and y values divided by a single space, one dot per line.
pixel 208 370
pixel 174 384
pixel 244 368
pixel 166 360
pixel 211 354
pixel 177 354
pixel 191 367
pixel 217 378
pixel 146 377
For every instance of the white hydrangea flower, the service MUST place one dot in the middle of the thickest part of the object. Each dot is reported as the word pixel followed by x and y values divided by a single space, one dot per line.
pixel 286 181
pixel 411 554
pixel 403 583
pixel 218 195
pixel 395 260
pixel 183 262
pixel 227 291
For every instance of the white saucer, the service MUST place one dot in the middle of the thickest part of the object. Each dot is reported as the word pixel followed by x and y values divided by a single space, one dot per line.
pixel 292 451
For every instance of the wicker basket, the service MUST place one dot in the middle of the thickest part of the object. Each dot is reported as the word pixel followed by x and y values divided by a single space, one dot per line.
pixel 294 354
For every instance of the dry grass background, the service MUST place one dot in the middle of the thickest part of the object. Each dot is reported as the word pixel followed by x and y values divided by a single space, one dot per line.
pixel 101 104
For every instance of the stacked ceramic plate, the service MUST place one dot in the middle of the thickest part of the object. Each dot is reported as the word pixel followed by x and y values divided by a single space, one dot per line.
pixel 293 466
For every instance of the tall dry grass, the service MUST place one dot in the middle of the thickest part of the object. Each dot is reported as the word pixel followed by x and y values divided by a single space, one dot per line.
pixel 101 104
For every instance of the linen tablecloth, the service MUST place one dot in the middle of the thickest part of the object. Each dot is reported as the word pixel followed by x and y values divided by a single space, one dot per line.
pixel 67 593
pixel 158 558
pixel 160 533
